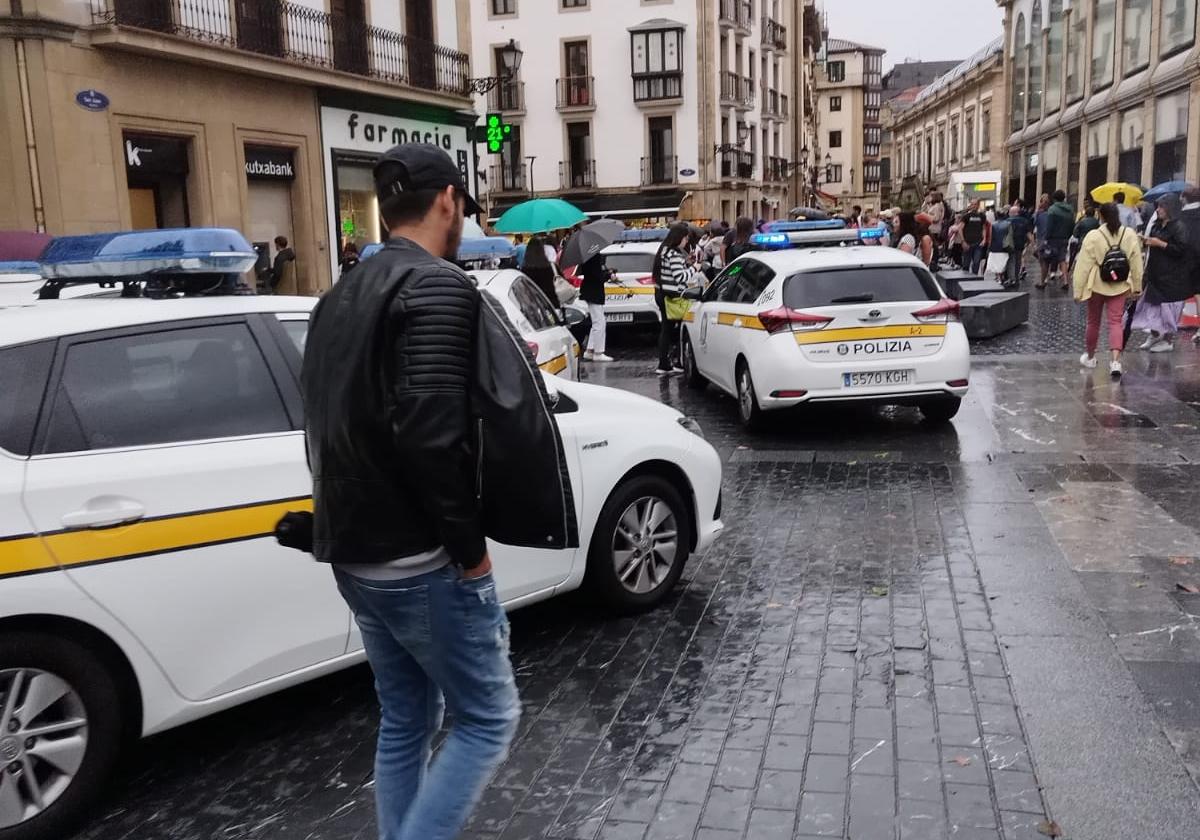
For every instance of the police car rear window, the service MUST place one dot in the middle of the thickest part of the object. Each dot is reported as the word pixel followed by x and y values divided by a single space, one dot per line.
pixel 877 284
pixel 623 263
pixel 23 374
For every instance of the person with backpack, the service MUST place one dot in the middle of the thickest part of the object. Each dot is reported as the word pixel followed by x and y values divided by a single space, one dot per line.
pixel 1108 271
pixel 1060 221
pixel 1168 284
pixel 1000 250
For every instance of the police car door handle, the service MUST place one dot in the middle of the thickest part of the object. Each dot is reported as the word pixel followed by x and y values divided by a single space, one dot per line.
pixel 104 512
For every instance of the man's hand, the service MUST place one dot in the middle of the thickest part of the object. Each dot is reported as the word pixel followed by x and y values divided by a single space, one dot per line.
pixel 479 571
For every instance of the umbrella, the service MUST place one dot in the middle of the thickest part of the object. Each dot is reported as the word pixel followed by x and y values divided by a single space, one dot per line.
pixel 1105 192
pixel 810 213
pixel 22 244
pixel 471 229
pixel 1165 188
pixel 590 240
pixel 539 215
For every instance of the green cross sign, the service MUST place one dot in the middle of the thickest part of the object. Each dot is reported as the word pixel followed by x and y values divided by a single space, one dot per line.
pixel 497 133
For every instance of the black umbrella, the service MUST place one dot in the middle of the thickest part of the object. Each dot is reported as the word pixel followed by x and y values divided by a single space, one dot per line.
pixel 590 240
pixel 809 213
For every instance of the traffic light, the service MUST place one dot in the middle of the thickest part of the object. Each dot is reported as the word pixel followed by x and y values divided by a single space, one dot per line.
pixel 497 132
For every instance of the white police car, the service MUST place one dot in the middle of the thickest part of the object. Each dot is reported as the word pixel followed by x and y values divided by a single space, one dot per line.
pixel 541 324
pixel 629 296
pixel 792 324
pixel 147 449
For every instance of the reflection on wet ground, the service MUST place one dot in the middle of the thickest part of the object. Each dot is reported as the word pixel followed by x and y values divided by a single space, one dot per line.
pixel 906 631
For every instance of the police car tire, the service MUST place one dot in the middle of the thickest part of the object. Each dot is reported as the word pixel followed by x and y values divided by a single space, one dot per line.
pixel 940 410
pixel 601 577
pixel 87 676
pixel 692 376
pixel 752 419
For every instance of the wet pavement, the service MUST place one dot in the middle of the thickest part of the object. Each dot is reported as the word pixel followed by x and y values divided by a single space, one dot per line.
pixel 905 632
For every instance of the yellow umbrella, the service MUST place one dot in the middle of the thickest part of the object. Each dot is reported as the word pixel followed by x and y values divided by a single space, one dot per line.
pixel 1105 192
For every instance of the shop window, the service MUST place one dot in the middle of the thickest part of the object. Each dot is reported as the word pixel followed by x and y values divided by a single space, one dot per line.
pixel 1074 140
pixel 156 170
pixel 1075 46
pixel 1104 35
pixel 270 172
pixel 1032 160
pixel 358 207
pixel 1170 137
pixel 1054 54
pixel 1135 45
pixel 1097 154
pixel 1130 139
pixel 1014 176
pixel 1178 25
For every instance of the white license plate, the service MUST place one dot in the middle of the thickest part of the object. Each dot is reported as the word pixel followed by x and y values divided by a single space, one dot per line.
pixel 878 378
pixel 618 317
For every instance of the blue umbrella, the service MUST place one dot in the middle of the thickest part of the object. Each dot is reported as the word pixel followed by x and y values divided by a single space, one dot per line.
pixel 1165 188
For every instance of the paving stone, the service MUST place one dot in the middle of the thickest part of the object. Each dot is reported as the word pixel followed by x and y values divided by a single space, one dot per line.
pixel 780 789
pixel 727 808
pixel 828 738
pixel 768 824
pixel 826 774
pixel 689 782
pixel 920 780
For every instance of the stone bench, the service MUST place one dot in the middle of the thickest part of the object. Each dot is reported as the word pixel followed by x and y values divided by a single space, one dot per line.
pixel 992 313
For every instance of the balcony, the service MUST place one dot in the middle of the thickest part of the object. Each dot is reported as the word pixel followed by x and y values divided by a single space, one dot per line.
pixel 785 106
pixel 775 169
pixel 507 98
pixel 579 174
pixel 659 171
pixel 300 35
pixel 657 87
pixel 731 88
pixel 736 13
pixel 771 106
pixel 774 35
pixel 576 93
pixel 748 95
pixel 507 178
pixel 737 166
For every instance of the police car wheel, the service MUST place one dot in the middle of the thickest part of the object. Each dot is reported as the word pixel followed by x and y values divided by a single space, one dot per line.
pixel 747 398
pixel 60 733
pixel 940 410
pixel 640 545
pixel 691 374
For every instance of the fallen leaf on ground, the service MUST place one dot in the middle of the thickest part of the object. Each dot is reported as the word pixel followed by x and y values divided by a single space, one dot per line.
pixel 1049 828
pixel 1188 587
pixel 1180 560
pixel 961 760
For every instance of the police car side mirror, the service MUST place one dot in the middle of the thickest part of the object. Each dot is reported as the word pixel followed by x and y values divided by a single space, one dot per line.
pixel 694 293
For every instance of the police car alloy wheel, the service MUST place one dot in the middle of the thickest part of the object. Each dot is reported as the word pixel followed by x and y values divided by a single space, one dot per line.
pixel 640 545
pixel 60 732
pixel 691 374
pixel 748 410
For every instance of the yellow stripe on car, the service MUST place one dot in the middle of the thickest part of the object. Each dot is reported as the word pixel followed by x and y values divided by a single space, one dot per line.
pixel 690 316
pixel 26 554
pixel 733 319
pixel 869 333
pixel 555 365
pixel 628 290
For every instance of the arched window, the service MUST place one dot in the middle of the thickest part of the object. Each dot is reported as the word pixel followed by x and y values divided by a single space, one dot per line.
pixel 1018 75
pixel 1054 54
pixel 1034 85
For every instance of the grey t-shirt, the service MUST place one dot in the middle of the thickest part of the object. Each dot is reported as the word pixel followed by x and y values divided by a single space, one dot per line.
pixel 400 568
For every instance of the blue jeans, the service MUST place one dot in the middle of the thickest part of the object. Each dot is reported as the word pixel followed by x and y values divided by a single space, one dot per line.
pixel 973 256
pixel 435 641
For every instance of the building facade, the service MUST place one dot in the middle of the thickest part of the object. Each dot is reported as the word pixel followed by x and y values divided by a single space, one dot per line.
pixel 258 115
pixel 1100 90
pixel 953 125
pixel 644 110
pixel 905 75
pixel 850 131
pixel 810 42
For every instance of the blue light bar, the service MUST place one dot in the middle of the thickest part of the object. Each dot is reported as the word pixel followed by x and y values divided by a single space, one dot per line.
pixel 783 226
pixel 656 234
pixel 19 267
pixel 141 252
pixel 771 241
pixel 872 232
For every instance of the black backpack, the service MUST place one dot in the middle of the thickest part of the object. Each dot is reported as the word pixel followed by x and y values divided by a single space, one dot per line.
pixel 1114 268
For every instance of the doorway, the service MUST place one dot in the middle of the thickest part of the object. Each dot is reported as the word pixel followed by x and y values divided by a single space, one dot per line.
pixel 349 27
pixel 156 175
pixel 418 26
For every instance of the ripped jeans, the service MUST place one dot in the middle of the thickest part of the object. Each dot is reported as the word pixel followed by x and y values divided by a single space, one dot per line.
pixel 434 641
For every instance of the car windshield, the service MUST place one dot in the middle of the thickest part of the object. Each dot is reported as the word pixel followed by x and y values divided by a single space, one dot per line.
pixel 876 284
pixel 630 263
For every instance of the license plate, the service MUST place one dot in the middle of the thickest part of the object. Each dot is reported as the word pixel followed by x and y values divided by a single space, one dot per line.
pixel 618 317
pixel 877 378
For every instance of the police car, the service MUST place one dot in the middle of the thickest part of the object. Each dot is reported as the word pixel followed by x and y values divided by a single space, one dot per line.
pixel 540 323
pixel 147 449
pixel 629 297
pixel 797 323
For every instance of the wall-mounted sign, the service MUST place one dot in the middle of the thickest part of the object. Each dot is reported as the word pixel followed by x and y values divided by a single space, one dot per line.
pixel 687 173
pixel 91 100
pixel 269 163
pixel 149 154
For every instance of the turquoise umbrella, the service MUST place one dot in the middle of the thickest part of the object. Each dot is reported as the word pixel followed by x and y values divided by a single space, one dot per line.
pixel 539 215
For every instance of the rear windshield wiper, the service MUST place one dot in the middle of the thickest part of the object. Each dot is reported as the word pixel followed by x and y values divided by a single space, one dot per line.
pixel 863 298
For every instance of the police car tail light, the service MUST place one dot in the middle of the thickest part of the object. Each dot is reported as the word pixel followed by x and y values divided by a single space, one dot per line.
pixel 783 319
pixel 646 280
pixel 942 312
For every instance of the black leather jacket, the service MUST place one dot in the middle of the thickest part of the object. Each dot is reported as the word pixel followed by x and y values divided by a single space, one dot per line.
pixel 428 423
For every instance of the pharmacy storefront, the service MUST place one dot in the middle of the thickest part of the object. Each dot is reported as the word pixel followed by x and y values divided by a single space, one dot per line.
pixel 354 133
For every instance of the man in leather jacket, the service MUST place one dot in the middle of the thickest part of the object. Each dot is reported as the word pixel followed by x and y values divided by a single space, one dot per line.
pixel 428 429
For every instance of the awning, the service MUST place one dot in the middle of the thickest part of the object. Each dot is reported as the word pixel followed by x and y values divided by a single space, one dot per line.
pixel 617 206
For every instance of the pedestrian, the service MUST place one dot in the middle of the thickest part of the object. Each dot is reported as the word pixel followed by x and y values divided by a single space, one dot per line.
pixel 595 275
pixel 855 217
pixel 1000 248
pixel 540 270
pixel 1023 237
pixel 349 258
pixel 670 274
pixel 743 229
pixel 1189 219
pixel 1168 284
pixel 1129 215
pixel 420 400
pixel 1107 272
pixel 954 242
pixel 283 269
pixel 1087 223
pixel 937 219
pixel 519 249
pixel 1060 221
pixel 975 238
pixel 912 237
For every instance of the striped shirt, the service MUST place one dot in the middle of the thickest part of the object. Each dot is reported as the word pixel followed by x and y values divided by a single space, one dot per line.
pixel 673 273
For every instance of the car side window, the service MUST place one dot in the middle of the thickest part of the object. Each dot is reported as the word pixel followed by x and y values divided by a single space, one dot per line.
pixel 750 281
pixel 529 301
pixel 193 383
pixel 722 281
pixel 297 331
pixel 23 374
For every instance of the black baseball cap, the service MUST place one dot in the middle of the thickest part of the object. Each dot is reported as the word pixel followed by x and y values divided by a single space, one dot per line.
pixel 419 166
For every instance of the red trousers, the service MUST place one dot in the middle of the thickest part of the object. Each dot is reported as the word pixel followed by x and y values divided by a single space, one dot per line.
pixel 1111 308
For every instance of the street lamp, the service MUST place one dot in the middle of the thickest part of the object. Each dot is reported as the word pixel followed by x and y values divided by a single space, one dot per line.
pixel 813 173
pixel 743 133
pixel 510 65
